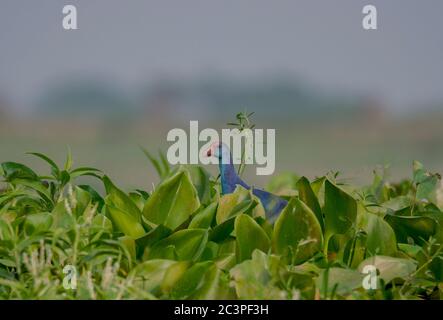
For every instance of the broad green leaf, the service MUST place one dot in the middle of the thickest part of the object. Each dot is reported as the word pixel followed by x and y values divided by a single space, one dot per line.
pixel 210 252
pixel 83 199
pixel 123 212
pixel 398 203
pixel 129 244
pixel 390 268
pixel 438 217
pixel 380 239
pixel 249 236
pixel 38 222
pixel 149 239
pixel 150 273
pixel 173 202
pixel 338 281
pixel 188 244
pixel 427 183
pixel 173 274
pixel 191 281
pixel 200 179
pixel 120 200
pixel 256 278
pixel 307 195
pixel 124 221
pixel 222 231
pixel 62 219
pixel 340 211
pixel 417 228
pixel 297 232
pixel 214 285
pixel 238 202
pixel 317 185
pixel 410 249
pixel 204 218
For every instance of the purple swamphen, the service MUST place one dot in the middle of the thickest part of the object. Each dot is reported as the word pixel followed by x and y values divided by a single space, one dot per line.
pixel 272 203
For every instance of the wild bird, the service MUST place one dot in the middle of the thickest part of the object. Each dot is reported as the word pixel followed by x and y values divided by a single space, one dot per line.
pixel 272 203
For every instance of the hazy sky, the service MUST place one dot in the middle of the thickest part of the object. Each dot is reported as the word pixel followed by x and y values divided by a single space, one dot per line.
pixel 320 42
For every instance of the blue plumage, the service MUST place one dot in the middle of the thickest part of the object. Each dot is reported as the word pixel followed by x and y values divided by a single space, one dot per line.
pixel 272 204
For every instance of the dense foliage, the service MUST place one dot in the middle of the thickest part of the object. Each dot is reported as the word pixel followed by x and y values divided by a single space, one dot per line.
pixel 183 240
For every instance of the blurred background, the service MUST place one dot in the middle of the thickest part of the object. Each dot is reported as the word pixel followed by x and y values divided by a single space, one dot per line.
pixel 340 98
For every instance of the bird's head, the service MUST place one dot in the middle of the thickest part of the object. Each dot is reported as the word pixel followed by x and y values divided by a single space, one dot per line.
pixel 218 150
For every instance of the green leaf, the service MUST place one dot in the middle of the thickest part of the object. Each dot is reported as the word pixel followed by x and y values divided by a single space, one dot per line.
pixel 161 166
pixel 68 162
pixel 222 231
pixel 101 223
pixel 38 222
pixel 390 268
pixel 238 202
pixel 124 221
pixel 398 203
pixel 83 200
pixel 39 187
pixel 380 238
pixel 338 281
pixel 256 278
pixel 150 274
pixel 95 196
pixel 54 168
pixel 149 239
pixel 200 179
pixel 138 199
pixel 204 218
pixel 123 212
pixel 189 244
pixel 307 195
pixel 173 202
pixel 13 170
pixel 191 280
pixel 417 228
pixel 173 274
pixel 297 233
pixel 427 183
pixel 6 230
pixel 317 185
pixel 249 236
pixel 62 219
pixel 214 285
pixel 121 200
pixel 85 171
pixel 64 177
pixel 340 211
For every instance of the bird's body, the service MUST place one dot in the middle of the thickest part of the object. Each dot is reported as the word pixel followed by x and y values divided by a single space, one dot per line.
pixel 272 204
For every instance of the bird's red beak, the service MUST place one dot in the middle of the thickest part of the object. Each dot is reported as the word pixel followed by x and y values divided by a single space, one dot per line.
pixel 209 152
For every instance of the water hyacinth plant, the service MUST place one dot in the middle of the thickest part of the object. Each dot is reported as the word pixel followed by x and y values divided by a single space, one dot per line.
pixel 184 240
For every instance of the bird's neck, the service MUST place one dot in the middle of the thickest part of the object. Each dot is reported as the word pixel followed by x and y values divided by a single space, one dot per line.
pixel 229 177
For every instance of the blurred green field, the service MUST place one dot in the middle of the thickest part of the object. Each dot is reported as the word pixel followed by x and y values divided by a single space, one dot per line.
pixel 311 148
